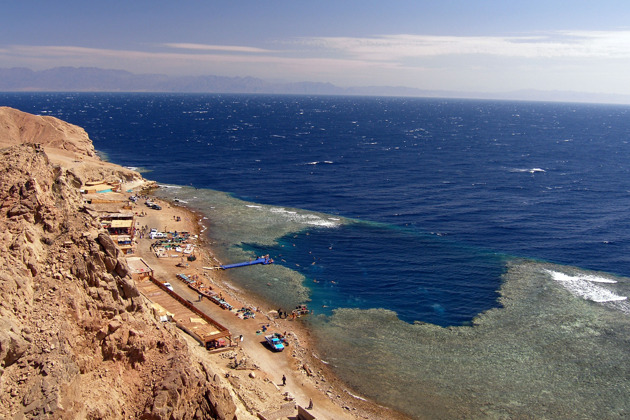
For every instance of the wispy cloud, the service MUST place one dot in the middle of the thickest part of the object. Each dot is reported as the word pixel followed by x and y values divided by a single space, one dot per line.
pixel 184 60
pixel 564 44
pixel 554 60
pixel 308 55
pixel 70 52
pixel 223 48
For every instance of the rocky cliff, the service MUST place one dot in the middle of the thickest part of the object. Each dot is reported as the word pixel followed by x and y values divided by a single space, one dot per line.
pixel 65 144
pixel 17 127
pixel 76 338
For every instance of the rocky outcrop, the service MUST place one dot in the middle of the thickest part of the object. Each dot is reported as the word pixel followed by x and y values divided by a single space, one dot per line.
pixel 76 338
pixel 19 127
pixel 67 144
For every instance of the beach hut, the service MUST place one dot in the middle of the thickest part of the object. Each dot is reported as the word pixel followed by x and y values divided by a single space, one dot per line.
pixel 139 269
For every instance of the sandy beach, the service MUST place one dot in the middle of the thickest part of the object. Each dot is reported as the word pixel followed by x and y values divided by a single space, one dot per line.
pixel 308 379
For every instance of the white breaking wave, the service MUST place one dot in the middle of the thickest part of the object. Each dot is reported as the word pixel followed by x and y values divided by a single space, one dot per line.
pixel 530 170
pixel 321 223
pixel 355 396
pixel 585 286
pixel 595 279
pixel 317 162
pixel 307 218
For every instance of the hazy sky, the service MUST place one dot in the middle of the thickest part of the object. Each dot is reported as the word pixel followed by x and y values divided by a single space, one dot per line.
pixel 464 45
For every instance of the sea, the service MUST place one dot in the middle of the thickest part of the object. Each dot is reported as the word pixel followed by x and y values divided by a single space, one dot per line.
pixel 462 258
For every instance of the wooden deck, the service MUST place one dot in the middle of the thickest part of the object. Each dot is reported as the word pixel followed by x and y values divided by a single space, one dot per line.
pixel 185 314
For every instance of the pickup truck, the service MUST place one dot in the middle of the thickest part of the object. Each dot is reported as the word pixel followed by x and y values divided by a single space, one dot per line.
pixel 274 342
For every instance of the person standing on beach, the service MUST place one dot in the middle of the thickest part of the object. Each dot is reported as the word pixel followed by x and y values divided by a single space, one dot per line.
pixel 284 380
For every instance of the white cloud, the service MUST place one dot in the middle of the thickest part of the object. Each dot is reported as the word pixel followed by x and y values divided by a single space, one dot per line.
pixel 566 44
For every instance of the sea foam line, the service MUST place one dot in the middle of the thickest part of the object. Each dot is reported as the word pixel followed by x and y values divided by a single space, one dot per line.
pixel 306 219
pixel 583 286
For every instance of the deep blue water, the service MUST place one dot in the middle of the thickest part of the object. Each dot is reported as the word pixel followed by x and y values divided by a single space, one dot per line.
pixel 447 188
pixel 379 267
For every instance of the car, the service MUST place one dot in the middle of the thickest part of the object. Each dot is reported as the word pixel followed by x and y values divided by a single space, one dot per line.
pixel 168 286
pixel 156 207
pixel 274 342
pixel 157 235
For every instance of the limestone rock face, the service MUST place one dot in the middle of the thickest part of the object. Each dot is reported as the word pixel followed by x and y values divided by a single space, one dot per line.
pixel 77 340
pixel 65 144
pixel 20 127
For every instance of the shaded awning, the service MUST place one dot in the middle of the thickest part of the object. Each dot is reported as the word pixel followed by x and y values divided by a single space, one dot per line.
pixel 125 223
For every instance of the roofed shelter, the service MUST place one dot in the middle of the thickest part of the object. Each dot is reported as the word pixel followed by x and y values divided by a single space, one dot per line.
pixel 187 317
pixel 140 270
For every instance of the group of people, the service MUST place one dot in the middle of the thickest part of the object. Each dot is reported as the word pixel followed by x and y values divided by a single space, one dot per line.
pixel 298 311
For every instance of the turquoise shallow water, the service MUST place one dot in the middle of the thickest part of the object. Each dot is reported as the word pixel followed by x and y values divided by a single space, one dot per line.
pixel 400 221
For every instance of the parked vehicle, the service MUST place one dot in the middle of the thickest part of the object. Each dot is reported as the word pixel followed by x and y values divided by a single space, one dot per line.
pixel 274 342
pixel 168 286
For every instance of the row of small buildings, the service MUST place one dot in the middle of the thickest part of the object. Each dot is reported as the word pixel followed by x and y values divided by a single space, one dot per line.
pixel 118 218
pixel 121 227
pixel 116 215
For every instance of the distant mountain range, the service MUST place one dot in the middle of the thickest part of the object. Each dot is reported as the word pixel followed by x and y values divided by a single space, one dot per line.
pixel 90 79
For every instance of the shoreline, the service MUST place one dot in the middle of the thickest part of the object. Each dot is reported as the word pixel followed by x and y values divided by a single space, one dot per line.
pixel 309 377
